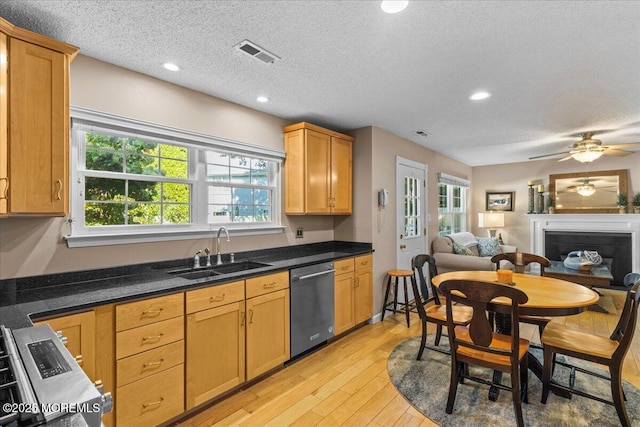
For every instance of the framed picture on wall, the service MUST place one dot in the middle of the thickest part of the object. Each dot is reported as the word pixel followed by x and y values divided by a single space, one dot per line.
pixel 500 201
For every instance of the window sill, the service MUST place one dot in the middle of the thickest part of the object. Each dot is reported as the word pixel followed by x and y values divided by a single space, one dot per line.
pixel 86 240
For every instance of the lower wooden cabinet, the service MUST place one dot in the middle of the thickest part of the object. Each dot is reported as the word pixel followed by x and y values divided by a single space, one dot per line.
pixel 80 331
pixel 215 351
pixel 152 400
pixel 268 332
pixel 353 292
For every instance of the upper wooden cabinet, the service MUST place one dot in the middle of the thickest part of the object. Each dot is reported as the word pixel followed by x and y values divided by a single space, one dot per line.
pixel 34 123
pixel 317 171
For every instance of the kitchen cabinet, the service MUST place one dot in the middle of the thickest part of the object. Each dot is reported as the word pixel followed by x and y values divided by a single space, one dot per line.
pixel 215 336
pixel 34 123
pixel 353 290
pixel 268 332
pixel 149 353
pixel 79 329
pixel 317 171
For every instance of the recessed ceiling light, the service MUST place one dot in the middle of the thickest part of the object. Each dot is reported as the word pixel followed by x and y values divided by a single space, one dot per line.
pixel 262 99
pixel 171 67
pixel 479 95
pixel 394 6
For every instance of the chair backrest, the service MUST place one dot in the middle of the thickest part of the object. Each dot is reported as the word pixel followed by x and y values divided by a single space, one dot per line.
pixel 520 260
pixel 626 327
pixel 478 294
pixel 424 290
pixel 630 279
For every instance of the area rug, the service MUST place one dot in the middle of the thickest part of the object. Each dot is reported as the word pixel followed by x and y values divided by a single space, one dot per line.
pixel 425 384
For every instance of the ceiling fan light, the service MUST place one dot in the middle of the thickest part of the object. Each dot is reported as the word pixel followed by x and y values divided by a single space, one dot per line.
pixel 586 190
pixel 587 156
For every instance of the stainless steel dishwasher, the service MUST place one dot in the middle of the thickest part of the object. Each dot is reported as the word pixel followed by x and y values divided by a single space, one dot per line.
pixel 311 306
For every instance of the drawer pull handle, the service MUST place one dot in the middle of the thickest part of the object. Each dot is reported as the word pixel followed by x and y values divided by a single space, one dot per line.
pixel 250 317
pixel 58 195
pixel 357 282
pixel 364 263
pixel 6 188
pixel 152 313
pixel 152 338
pixel 217 298
pixel 344 267
pixel 151 404
pixel 152 365
pixel 79 360
pixel 269 285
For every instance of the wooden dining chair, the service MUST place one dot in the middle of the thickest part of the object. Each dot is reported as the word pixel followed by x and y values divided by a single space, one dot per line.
pixel 607 351
pixel 478 345
pixel 520 260
pixel 428 303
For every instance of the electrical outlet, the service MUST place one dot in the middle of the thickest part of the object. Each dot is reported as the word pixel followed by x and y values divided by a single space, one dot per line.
pixel 299 233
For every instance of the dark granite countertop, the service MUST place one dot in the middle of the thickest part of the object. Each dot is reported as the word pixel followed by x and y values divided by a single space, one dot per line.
pixel 23 299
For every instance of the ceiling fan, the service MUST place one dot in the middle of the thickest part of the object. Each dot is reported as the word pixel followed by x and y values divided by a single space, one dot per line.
pixel 589 149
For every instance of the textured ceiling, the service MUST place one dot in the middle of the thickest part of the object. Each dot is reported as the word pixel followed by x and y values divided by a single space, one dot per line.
pixel 555 69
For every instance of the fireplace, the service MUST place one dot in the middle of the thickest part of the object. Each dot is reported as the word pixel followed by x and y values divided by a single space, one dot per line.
pixel 615 236
pixel 615 248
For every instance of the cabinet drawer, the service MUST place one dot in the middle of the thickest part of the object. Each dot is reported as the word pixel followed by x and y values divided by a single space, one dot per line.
pixel 148 311
pixel 364 261
pixel 265 284
pixel 152 400
pixel 134 368
pixel 343 266
pixel 148 337
pixel 214 296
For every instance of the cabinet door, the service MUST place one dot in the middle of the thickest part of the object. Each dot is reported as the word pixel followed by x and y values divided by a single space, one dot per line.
pixel 363 295
pixel 318 173
pixel 38 130
pixel 215 352
pixel 294 177
pixel 341 184
pixel 344 304
pixel 4 127
pixel 80 332
pixel 267 332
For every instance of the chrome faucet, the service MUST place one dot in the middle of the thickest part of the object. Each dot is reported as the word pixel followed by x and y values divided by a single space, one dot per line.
pixel 219 258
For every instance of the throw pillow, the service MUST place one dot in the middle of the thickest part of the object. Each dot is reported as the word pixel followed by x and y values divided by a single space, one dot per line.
pixel 488 246
pixel 461 250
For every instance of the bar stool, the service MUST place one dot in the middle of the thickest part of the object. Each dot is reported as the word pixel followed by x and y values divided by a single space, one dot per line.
pixel 404 306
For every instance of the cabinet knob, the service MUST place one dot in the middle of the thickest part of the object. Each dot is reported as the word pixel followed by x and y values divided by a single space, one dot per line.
pixel 403 246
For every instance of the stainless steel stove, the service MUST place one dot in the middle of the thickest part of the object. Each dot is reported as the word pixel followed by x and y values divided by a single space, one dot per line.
pixel 42 384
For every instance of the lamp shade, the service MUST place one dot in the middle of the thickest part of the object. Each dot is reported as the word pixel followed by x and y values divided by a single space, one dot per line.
pixel 491 219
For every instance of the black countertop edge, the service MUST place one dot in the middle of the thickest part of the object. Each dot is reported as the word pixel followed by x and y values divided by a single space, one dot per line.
pixel 22 299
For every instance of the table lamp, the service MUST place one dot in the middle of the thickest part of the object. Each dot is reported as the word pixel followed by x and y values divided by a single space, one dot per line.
pixel 491 220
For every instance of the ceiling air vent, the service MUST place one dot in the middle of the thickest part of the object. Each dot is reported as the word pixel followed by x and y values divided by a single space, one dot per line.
pixel 255 51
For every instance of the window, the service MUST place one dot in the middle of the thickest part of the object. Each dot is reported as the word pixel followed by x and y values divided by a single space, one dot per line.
pixel 452 204
pixel 135 181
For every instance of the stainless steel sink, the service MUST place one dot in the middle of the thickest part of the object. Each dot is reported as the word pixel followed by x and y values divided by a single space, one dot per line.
pixel 236 267
pixel 216 270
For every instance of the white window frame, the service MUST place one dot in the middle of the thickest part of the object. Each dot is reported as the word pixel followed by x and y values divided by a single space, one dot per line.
pixel 451 183
pixel 84 120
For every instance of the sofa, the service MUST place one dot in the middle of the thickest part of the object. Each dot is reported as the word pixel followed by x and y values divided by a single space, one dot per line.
pixel 442 250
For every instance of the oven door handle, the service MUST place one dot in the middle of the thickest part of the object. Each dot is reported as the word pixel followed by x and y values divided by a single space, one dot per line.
pixel 321 273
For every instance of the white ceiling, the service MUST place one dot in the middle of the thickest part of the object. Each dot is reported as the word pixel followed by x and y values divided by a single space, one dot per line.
pixel 555 69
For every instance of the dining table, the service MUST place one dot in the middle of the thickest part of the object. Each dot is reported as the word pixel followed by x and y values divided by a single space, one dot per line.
pixel 548 296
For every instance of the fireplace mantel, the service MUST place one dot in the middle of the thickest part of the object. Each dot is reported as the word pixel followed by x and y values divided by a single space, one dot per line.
pixel 613 223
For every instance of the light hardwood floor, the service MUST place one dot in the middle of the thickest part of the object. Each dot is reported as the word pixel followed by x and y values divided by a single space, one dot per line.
pixel 346 383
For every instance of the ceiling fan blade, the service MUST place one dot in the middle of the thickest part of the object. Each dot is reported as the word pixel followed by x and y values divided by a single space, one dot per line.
pixel 565 158
pixel 549 155
pixel 623 146
pixel 617 153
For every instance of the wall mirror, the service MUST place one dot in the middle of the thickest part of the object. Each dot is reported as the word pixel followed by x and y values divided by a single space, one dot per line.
pixel 588 192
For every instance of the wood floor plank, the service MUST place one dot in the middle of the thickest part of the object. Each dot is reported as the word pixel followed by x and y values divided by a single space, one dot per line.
pixel 374 406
